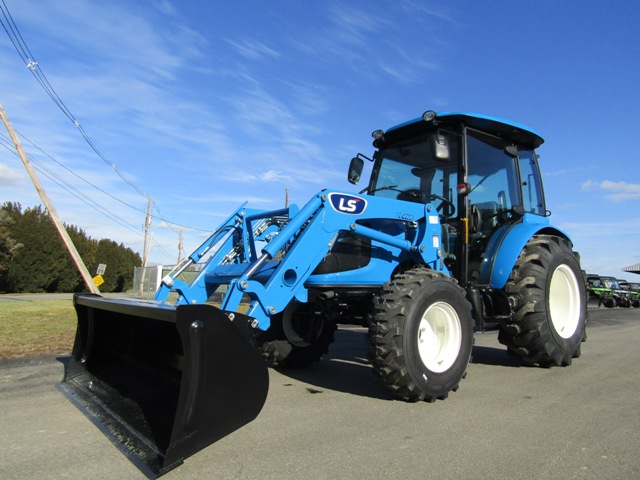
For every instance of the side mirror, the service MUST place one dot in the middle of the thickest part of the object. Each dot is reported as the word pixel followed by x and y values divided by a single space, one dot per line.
pixel 355 170
pixel 440 147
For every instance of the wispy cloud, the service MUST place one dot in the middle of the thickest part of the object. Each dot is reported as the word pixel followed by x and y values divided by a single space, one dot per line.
pixel 108 31
pixel 353 25
pixel 270 120
pixel 619 191
pixel 406 72
pixel 10 176
pixel 376 41
pixel 122 76
pixel 358 39
pixel 199 118
pixel 253 49
pixel 607 248
pixel 418 8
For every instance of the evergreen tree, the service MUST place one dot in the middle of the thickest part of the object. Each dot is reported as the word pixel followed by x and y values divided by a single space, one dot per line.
pixel 8 246
pixel 86 247
pixel 42 257
pixel 120 262
pixel 43 263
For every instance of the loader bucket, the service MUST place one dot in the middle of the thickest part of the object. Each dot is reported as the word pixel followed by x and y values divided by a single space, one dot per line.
pixel 163 382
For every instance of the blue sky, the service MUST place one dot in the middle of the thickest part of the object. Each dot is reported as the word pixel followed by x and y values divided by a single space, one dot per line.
pixel 203 105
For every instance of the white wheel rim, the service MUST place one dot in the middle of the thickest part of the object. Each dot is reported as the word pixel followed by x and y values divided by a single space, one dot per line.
pixel 564 301
pixel 439 337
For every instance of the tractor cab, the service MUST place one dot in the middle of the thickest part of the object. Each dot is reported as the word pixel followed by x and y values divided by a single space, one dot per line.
pixel 480 173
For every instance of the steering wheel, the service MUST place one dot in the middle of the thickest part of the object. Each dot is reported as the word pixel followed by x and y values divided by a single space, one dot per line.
pixel 411 195
pixel 444 200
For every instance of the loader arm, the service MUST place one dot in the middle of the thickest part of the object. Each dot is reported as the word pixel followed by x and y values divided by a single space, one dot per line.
pixel 219 242
pixel 291 244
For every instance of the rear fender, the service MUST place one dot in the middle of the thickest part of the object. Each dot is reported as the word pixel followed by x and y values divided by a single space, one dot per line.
pixel 505 247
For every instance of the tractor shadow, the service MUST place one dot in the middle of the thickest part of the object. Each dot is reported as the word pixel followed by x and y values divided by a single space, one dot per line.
pixel 493 356
pixel 346 367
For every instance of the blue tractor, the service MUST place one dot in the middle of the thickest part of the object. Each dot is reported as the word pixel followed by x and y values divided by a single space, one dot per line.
pixel 451 234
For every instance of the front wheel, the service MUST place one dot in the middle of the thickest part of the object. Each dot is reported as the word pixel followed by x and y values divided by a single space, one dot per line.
pixel 421 335
pixel 547 292
pixel 297 337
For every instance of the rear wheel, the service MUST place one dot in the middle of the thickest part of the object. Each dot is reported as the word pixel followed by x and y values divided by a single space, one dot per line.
pixel 297 337
pixel 421 336
pixel 548 296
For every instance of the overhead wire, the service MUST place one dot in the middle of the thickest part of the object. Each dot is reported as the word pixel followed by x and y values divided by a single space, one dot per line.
pixel 158 217
pixel 57 179
pixel 28 58
pixel 54 177
pixel 73 190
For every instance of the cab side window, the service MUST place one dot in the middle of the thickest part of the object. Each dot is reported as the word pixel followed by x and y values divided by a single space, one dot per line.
pixel 492 174
pixel 532 197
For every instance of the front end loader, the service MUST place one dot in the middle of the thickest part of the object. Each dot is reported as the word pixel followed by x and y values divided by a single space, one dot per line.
pixel 450 235
pixel 163 381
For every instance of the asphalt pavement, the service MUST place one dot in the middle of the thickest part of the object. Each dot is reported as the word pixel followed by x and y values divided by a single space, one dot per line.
pixel 335 421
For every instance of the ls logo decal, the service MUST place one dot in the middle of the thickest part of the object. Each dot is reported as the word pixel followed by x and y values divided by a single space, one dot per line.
pixel 347 203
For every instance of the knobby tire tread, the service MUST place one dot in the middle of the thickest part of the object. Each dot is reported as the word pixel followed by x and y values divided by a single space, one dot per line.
pixel 387 329
pixel 528 334
pixel 277 351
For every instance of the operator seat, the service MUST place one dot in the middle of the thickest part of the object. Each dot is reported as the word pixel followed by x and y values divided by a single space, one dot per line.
pixel 484 217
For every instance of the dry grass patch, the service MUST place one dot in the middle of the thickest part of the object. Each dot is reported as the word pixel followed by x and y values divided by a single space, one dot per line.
pixel 36 328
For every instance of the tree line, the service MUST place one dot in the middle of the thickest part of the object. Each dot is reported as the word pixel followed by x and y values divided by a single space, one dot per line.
pixel 33 258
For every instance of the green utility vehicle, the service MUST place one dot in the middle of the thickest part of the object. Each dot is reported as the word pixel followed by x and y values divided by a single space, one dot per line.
pixel 633 291
pixel 600 294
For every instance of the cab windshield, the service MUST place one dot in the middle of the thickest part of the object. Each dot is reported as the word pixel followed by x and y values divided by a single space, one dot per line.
pixel 611 283
pixel 409 171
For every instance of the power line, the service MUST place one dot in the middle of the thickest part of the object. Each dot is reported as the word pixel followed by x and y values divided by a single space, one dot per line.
pixel 7 144
pixel 54 177
pixel 47 172
pixel 78 176
pixel 28 59
pixel 59 226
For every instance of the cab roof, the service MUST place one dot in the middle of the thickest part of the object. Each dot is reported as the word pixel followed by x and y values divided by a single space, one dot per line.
pixel 515 132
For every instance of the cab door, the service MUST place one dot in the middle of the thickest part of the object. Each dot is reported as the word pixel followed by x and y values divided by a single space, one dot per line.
pixel 494 190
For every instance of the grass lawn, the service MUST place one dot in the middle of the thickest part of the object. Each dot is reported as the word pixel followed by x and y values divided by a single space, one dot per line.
pixel 36 328
pixel 40 328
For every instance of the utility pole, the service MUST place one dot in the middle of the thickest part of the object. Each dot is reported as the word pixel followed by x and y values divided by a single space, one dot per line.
pixel 286 197
pixel 145 247
pixel 68 243
pixel 179 248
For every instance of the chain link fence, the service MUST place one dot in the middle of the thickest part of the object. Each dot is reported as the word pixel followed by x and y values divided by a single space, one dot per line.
pixel 147 280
